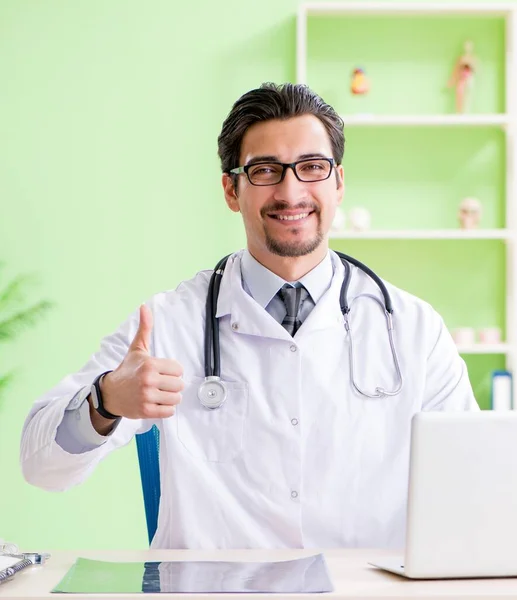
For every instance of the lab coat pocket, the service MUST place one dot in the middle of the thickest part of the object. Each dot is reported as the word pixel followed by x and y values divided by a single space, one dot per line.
pixel 213 435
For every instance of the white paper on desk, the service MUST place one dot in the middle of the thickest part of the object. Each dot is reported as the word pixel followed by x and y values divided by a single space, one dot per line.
pixel 8 561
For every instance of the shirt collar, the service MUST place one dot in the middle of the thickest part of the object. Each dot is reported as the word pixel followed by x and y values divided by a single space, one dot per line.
pixel 263 284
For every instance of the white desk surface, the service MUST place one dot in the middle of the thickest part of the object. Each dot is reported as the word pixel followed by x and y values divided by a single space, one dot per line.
pixel 351 575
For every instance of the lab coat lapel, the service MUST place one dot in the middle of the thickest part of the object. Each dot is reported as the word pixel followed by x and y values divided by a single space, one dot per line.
pixel 246 315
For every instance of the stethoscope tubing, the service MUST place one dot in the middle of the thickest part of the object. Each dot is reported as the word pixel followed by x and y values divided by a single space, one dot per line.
pixel 380 392
pixel 212 347
pixel 345 258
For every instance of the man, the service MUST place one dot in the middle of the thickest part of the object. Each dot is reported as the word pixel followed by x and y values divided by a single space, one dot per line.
pixel 311 446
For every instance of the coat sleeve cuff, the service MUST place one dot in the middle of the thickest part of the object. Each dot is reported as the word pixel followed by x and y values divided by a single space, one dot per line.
pixel 76 434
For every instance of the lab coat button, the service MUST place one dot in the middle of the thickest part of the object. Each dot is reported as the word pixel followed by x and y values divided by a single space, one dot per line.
pixel 294 494
pixel 293 348
pixel 235 326
pixel 294 422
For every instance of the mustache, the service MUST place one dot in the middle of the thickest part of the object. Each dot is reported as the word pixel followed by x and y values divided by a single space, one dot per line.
pixel 278 206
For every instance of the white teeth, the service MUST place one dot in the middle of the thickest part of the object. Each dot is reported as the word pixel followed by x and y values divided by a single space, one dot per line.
pixel 292 217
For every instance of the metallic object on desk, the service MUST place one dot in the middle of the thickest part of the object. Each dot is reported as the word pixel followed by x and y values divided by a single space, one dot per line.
pixel 8 548
pixel 27 559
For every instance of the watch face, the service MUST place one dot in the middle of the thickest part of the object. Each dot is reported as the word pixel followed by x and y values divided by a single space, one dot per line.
pixel 95 399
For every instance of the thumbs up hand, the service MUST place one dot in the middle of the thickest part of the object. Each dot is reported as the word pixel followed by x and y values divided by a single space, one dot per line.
pixel 143 387
pixel 142 339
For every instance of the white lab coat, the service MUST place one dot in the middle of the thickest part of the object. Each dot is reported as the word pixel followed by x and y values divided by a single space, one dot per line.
pixel 295 457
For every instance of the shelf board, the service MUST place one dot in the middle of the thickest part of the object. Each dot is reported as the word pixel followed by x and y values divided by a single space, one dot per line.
pixel 405 9
pixel 483 348
pixel 454 120
pixel 425 234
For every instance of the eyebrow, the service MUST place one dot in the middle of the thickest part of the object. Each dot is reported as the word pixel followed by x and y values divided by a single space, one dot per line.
pixel 272 158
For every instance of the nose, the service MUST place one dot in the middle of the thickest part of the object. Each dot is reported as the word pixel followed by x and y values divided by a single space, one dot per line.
pixel 290 189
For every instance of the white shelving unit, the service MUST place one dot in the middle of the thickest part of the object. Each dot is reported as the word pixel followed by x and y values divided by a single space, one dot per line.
pixel 483 348
pixel 506 121
pixel 427 234
pixel 368 120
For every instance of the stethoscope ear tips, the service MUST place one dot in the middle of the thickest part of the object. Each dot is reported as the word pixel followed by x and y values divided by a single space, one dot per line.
pixel 212 392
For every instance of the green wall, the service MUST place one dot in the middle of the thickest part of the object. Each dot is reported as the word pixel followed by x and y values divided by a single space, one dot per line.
pixel 110 191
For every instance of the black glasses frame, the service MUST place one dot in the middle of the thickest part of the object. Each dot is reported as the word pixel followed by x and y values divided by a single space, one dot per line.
pixel 245 169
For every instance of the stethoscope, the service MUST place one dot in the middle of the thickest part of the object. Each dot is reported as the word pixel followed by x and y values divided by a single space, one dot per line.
pixel 212 392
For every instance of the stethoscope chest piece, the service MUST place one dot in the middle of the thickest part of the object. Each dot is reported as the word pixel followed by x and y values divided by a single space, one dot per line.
pixel 212 392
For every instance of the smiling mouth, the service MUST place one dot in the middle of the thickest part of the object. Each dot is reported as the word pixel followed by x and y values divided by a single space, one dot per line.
pixel 297 217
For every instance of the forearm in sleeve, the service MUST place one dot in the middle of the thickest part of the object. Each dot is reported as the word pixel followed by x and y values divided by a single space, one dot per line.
pixel 56 465
pixel 76 434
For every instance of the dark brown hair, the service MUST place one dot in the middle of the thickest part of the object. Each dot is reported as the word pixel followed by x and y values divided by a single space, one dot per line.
pixel 272 101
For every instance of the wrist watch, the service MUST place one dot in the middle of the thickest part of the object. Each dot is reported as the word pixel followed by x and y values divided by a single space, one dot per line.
pixel 97 402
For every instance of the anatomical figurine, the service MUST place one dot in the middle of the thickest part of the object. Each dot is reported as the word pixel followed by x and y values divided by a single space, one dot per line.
pixel 462 77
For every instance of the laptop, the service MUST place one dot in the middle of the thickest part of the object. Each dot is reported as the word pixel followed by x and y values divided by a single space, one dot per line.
pixel 462 501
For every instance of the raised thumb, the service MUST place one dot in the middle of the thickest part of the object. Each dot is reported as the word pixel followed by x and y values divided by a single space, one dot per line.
pixel 142 339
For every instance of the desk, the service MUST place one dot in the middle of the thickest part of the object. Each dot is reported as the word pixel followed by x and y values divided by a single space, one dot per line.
pixel 351 575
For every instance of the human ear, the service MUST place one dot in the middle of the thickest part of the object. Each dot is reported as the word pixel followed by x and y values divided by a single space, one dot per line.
pixel 340 177
pixel 230 193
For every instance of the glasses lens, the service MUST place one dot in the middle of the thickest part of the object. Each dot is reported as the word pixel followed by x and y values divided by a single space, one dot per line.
pixel 314 169
pixel 265 174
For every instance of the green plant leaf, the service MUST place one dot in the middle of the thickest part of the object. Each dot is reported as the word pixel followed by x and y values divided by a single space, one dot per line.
pixel 14 293
pixel 14 318
pixel 13 325
pixel 5 380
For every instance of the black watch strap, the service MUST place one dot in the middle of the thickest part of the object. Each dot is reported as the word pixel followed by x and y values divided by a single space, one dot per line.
pixel 99 405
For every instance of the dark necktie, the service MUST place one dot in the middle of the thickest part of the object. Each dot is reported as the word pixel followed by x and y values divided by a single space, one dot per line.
pixel 293 298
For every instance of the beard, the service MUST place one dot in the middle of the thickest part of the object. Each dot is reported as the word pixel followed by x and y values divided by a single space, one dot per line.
pixel 294 248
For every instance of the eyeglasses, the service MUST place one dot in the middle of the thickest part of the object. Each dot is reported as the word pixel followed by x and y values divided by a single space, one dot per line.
pixel 271 173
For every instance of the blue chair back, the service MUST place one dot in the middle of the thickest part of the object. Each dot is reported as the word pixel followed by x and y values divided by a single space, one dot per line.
pixel 148 447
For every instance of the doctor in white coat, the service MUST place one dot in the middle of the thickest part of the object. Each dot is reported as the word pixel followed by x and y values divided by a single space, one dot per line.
pixel 296 456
